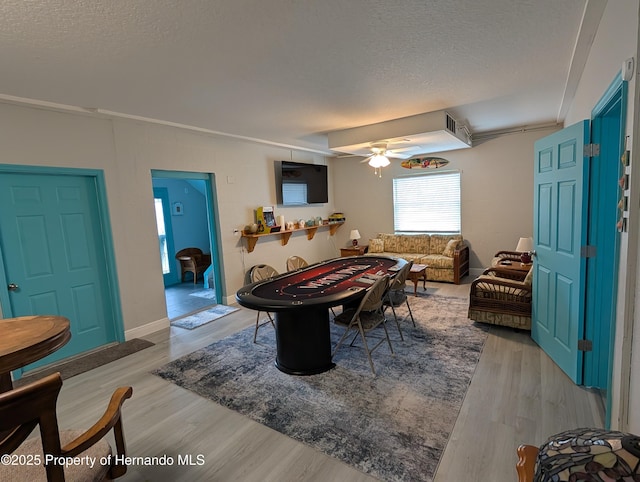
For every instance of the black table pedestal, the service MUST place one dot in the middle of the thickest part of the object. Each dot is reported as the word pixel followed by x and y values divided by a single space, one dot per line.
pixel 304 341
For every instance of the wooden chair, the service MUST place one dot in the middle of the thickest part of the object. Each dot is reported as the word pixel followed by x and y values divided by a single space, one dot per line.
pixel 366 317
pixel 396 295
pixel 261 272
pixel 22 409
pixel 296 262
pixel 192 260
pixel 526 462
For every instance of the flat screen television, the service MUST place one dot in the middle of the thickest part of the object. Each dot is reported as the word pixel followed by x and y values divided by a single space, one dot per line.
pixel 298 183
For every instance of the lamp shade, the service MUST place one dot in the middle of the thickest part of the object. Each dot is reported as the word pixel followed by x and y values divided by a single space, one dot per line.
pixel 525 245
pixel 354 234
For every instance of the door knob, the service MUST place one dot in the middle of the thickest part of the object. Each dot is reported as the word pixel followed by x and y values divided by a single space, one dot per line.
pixel 13 287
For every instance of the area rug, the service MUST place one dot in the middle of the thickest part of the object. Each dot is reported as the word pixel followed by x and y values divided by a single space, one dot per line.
pixel 203 317
pixel 207 294
pixel 393 426
pixel 89 362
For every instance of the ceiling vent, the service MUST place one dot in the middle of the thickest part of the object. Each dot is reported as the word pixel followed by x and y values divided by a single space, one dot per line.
pixel 405 137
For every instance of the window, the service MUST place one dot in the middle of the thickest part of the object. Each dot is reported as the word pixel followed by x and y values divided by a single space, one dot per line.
pixel 428 203
pixel 162 235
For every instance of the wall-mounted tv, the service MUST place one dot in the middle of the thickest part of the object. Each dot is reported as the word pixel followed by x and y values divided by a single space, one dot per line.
pixel 298 183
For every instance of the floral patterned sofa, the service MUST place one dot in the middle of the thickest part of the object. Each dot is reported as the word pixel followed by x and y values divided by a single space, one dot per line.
pixel 446 255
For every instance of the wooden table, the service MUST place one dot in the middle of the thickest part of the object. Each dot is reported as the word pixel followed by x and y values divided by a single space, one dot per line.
pixel 27 339
pixel 418 272
pixel 354 250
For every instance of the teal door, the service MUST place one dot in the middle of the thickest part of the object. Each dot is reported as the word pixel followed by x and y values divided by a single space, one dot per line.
pixel 53 249
pixel 559 232
pixel 608 132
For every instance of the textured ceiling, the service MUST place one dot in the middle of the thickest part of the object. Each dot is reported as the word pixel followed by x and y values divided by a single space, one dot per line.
pixel 289 71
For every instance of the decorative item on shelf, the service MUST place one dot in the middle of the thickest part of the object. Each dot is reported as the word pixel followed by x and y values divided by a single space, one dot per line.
pixel 354 236
pixel 525 245
pixel 301 224
pixel 251 228
pixel 309 223
pixel 291 225
pixel 318 221
pixel 265 217
pixel 281 222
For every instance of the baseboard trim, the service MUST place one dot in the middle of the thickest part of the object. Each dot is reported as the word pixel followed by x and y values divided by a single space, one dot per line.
pixel 144 330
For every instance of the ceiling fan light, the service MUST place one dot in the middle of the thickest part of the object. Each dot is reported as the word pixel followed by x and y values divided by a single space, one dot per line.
pixel 379 161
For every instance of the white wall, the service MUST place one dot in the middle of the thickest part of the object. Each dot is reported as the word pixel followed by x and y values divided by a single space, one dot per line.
pixel 497 194
pixel 127 152
pixel 617 40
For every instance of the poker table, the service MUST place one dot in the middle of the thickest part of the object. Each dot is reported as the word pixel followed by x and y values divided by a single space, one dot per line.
pixel 300 301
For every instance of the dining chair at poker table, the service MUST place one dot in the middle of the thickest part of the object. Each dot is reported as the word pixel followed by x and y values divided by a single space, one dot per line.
pixel 262 272
pixel 396 295
pixel 296 262
pixel 367 316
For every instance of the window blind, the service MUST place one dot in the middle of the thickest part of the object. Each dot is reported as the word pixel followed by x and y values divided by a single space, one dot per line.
pixel 428 203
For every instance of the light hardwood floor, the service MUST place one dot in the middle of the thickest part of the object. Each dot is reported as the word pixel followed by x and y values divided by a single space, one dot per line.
pixel 517 395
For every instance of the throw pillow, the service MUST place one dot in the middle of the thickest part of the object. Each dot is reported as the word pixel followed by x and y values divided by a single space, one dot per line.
pixel 450 248
pixel 376 245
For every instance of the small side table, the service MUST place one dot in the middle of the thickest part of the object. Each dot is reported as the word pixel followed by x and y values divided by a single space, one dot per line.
pixel 354 250
pixel 418 272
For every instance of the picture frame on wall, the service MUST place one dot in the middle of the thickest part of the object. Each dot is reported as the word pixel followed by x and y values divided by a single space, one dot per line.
pixel 177 209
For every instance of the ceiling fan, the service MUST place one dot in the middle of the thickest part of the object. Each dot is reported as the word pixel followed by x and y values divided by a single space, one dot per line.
pixel 380 155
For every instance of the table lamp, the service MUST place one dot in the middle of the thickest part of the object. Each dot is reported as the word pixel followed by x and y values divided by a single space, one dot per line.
pixel 525 246
pixel 354 236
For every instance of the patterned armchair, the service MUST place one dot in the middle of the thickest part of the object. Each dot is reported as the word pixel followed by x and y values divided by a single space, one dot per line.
pixel 502 297
pixel 500 256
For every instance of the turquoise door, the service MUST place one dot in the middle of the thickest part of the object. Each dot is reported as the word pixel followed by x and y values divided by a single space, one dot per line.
pixel 53 249
pixel 608 132
pixel 559 231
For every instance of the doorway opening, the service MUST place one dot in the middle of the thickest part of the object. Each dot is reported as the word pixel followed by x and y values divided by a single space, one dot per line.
pixel 184 219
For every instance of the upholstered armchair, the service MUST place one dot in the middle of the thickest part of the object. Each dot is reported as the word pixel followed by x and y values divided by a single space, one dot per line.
pixel 192 260
pixel 502 297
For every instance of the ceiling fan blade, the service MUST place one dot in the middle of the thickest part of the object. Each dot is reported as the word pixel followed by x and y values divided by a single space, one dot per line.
pixel 367 159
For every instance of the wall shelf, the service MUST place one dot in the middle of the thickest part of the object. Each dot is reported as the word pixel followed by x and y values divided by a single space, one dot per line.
pixel 252 239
